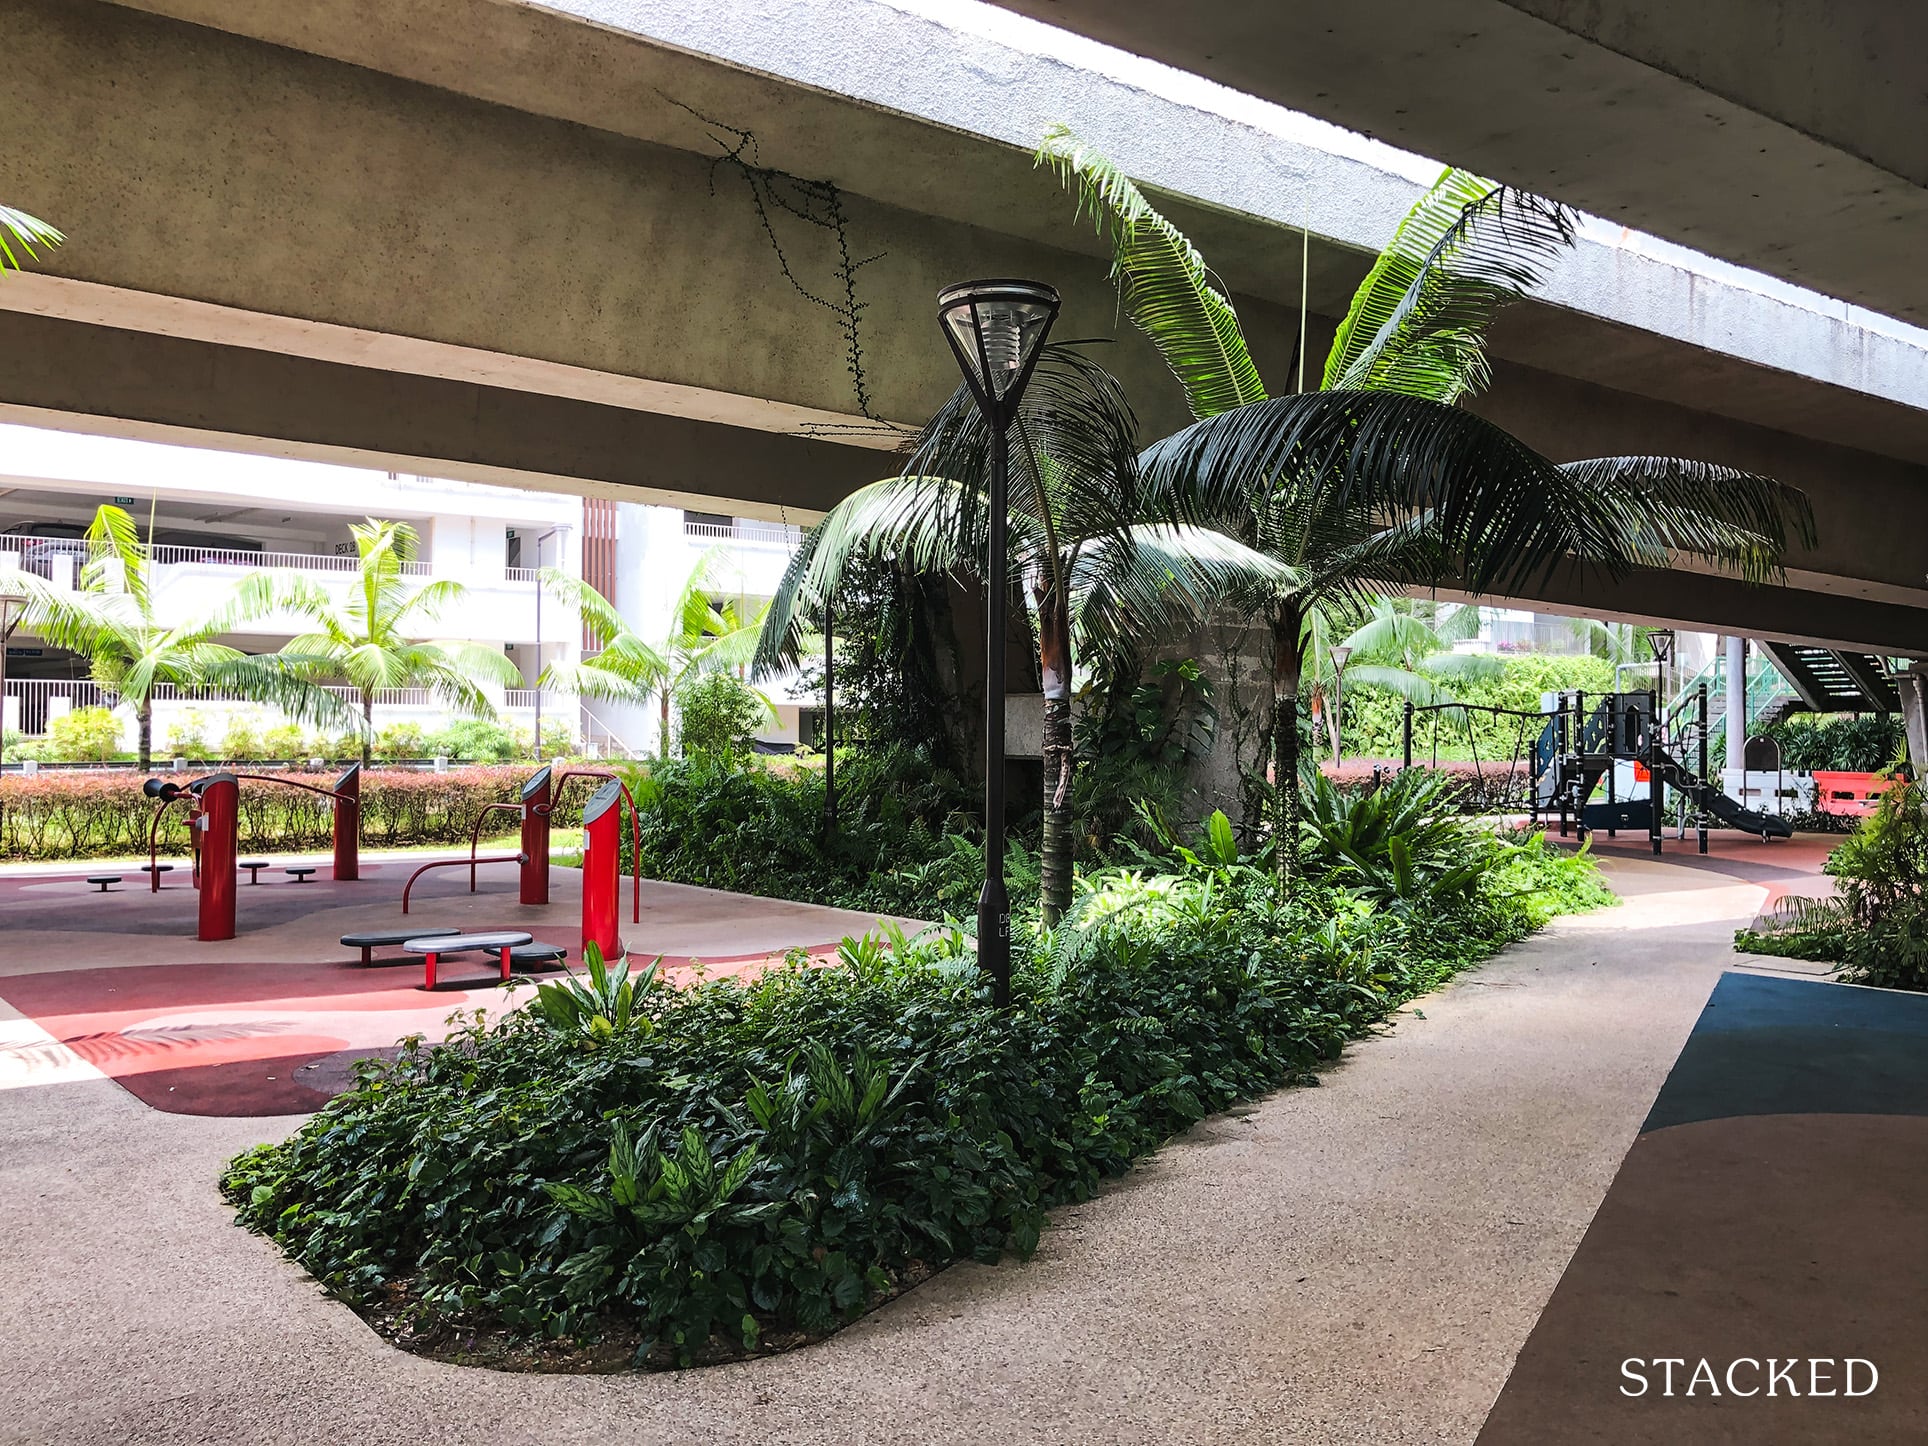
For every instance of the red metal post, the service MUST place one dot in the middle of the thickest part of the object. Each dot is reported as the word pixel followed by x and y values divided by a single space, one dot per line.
pixel 217 823
pixel 602 862
pixel 348 825
pixel 537 795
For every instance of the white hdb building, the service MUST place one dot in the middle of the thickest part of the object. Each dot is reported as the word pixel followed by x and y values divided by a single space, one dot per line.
pixel 213 517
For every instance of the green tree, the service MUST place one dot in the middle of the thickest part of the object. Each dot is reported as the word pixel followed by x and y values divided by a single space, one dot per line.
pixel 1094 565
pixel 706 633
pixel 109 620
pixel 370 640
pixel 1382 480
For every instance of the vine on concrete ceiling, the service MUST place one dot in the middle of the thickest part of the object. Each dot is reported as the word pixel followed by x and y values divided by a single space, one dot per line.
pixel 815 203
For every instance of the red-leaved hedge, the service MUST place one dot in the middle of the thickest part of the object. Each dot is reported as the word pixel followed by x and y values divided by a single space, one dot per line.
pixel 88 814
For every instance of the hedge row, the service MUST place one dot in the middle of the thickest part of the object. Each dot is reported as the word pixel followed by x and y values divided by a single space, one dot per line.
pixel 1486 787
pixel 96 813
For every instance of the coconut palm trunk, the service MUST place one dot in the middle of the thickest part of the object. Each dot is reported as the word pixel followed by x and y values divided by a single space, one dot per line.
pixel 367 728
pixel 1054 658
pixel 1287 664
pixel 144 733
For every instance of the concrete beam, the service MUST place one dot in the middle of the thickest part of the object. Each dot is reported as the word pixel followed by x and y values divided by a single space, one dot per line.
pixel 137 384
pixel 1784 135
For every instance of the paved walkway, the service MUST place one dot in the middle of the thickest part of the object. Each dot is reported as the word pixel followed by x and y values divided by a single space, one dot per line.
pixel 1355 1263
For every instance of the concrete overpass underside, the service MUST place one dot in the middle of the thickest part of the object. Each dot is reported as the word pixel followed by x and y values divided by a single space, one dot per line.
pixel 492 241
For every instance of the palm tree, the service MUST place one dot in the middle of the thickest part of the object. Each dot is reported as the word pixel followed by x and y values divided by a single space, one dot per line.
pixel 109 620
pixel 1381 480
pixel 1094 566
pixel 705 634
pixel 369 640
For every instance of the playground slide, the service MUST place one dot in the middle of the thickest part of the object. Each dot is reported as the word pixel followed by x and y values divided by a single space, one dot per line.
pixel 1710 798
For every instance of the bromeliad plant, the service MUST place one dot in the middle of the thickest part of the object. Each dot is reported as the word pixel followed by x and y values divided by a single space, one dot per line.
pixel 1400 845
pixel 594 1010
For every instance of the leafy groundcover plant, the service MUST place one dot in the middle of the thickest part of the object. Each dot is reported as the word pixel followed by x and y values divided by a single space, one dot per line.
pixel 1876 928
pixel 663 1176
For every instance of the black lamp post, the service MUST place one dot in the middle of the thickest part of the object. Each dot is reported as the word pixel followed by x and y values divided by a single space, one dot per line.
pixel 996 329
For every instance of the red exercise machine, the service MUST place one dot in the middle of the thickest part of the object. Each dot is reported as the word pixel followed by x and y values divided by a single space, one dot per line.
pixel 602 870
pixel 214 823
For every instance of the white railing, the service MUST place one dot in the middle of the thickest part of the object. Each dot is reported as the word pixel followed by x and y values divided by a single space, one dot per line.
pixel 518 574
pixel 755 534
pixel 167 553
pixel 519 698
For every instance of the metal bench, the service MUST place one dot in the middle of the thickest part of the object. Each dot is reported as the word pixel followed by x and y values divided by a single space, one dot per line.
pixel 538 956
pixel 103 880
pixel 368 941
pixel 432 947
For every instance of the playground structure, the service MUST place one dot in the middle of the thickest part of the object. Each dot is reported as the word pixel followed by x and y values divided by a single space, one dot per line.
pixel 1622 743
pixel 214 819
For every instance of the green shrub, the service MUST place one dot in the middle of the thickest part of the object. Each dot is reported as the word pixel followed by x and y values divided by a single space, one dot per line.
pixel 84 735
pixel 400 740
pixel 475 740
pixel 758 827
pixel 1401 844
pixel 1877 927
pixel 187 736
pixel 689 1172
pixel 285 742
pixel 241 743
pixel 716 715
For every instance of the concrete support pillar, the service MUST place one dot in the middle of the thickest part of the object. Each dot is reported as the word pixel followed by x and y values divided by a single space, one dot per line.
pixel 1736 701
pixel 1911 685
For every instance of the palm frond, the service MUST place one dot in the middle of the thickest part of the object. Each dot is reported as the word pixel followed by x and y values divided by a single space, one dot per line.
pixel 593 678
pixel 1154 578
pixel 1664 505
pixel 1501 513
pixel 598 614
pixel 19 230
pixel 1467 249
pixel 1163 282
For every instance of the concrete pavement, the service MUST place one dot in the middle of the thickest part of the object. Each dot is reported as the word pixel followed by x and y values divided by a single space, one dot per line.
pixel 1355 1263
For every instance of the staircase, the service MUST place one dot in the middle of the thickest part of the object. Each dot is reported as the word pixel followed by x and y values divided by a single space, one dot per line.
pixel 1831 682
pixel 1784 678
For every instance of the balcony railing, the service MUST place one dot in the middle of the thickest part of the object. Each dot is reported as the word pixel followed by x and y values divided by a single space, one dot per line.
pixel 41 550
pixel 519 698
pixel 167 553
pixel 751 534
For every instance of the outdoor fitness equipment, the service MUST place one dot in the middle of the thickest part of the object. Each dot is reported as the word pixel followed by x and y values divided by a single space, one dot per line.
pixel 535 807
pixel 602 864
pixel 214 820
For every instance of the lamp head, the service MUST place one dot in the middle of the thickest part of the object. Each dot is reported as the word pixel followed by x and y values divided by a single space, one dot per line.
pixel 1661 640
pixel 1340 652
pixel 996 329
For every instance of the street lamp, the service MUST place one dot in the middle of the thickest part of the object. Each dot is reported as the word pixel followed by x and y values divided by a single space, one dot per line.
pixel 1661 640
pixel 1340 652
pixel 996 329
